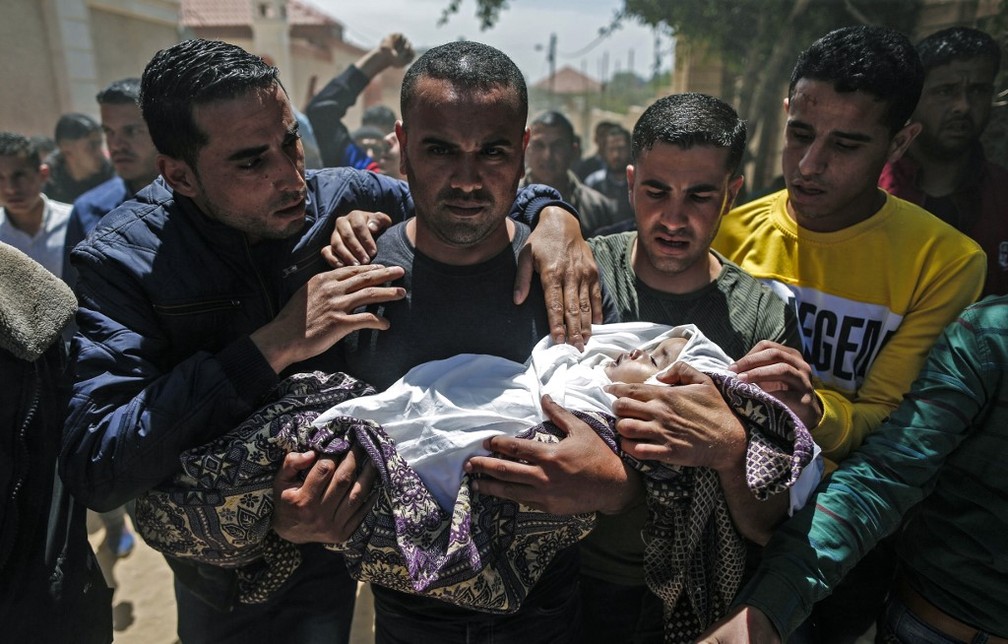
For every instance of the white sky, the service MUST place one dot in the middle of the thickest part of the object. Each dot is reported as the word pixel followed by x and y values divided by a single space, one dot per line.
pixel 522 26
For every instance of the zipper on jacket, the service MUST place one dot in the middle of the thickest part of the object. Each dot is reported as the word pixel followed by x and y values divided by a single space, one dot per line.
pixel 197 307
pixel 23 455
pixel 259 278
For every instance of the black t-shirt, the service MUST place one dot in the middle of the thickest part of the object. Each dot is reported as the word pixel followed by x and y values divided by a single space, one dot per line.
pixel 450 310
pixel 447 310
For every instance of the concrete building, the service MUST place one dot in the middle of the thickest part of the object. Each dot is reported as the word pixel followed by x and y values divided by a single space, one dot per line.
pixel 56 54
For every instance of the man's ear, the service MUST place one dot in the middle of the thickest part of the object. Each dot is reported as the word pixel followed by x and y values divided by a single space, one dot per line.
pixel 631 172
pixel 902 140
pixel 43 171
pixel 178 175
pixel 734 186
pixel 400 133
pixel 525 138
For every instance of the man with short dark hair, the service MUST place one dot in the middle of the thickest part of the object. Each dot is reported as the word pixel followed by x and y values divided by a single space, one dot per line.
pixel 29 220
pixel 79 162
pixel 611 180
pixel 586 165
pixel 944 171
pixel 868 308
pixel 462 136
pixel 206 288
pixel 133 156
pixel 379 116
pixel 551 150
pixel 684 176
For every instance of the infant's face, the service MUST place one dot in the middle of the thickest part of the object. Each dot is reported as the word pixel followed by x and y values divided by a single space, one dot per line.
pixel 636 366
pixel 639 365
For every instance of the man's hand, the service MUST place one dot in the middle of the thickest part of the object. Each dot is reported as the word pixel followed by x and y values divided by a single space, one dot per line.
pixel 329 503
pixel 394 50
pixel 578 474
pixel 783 373
pixel 397 49
pixel 688 424
pixel 744 625
pixel 353 240
pixel 569 276
pixel 322 312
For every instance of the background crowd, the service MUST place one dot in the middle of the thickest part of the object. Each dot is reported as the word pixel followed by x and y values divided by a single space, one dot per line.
pixel 212 238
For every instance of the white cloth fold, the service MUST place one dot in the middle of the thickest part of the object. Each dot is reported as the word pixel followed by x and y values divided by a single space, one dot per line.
pixel 440 412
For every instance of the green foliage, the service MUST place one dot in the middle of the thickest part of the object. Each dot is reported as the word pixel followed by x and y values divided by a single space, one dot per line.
pixel 757 42
pixel 488 11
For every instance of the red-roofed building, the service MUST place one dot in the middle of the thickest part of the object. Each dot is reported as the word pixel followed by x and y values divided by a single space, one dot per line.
pixel 568 80
pixel 305 43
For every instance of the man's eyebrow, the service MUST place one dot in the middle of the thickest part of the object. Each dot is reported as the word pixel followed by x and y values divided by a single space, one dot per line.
pixel 703 187
pixel 499 143
pixel 657 185
pixel 246 153
pixel 860 137
pixel 851 136
pixel 664 187
pixel 433 140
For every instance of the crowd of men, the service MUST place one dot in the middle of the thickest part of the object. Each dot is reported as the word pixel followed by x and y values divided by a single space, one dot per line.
pixel 208 261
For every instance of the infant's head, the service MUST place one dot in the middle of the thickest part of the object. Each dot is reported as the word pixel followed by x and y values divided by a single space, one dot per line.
pixel 639 365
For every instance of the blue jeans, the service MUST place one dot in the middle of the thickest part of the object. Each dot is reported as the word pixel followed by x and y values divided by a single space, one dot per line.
pixel 619 613
pixel 315 608
pixel 900 626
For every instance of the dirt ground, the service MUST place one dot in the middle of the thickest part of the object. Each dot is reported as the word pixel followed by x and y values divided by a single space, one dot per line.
pixel 143 607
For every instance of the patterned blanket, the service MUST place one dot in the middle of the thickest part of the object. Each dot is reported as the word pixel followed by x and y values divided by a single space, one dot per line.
pixel 488 552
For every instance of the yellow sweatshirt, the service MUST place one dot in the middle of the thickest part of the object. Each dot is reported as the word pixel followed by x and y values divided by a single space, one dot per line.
pixel 871 299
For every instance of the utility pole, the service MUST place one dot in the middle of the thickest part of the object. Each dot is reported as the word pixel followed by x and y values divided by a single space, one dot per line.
pixel 551 59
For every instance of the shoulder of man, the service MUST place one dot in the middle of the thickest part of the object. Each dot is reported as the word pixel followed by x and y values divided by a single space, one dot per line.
pixel 100 200
pixel 591 196
pixel 742 221
pixel 918 228
pixel 138 220
pixel 337 191
pixel 749 298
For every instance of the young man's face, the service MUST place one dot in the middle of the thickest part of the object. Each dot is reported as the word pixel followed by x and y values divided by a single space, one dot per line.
pixel 617 152
pixel 250 173
pixel 678 198
pixel 550 153
pixel 129 144
pixel 955 106
pixel 21 180
pixel 835 145
pixel 84 156
pixel 463 152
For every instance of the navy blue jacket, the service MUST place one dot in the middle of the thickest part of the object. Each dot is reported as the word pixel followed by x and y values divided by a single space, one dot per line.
pixel 87 211
pixel 168 298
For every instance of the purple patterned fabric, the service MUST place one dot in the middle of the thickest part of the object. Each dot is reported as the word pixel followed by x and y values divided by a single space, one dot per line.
pixel 488 553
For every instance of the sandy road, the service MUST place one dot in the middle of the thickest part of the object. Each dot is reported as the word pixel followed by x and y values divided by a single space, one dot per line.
pixel 143 607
